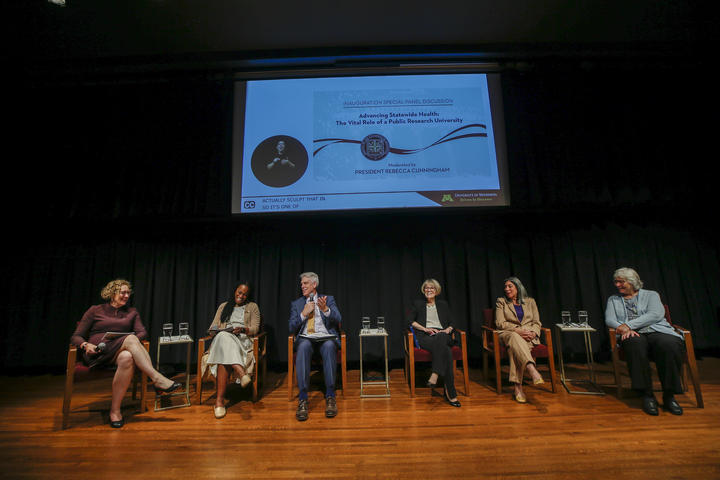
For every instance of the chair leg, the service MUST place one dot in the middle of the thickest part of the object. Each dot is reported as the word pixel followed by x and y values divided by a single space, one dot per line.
pixel 405 369
pixel 69 379
pixel 616 363
pixel 498 373
pixel 551 360
pixel 690 353
pixel 134 387
pixel 466 373
pixel 143 382
pixel 143 391
pixel 256 376
pixel 411 363
pixel 485 365
pixel 343 359
pixel 255 386
pixel 466 376
pixel 259 379
pixel 198 375
pixel 291 365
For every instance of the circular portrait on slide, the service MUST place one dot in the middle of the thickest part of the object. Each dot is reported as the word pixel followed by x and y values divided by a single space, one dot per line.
pixel 279 161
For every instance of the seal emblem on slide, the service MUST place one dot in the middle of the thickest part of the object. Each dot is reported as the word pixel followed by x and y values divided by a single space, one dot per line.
pixel 375 147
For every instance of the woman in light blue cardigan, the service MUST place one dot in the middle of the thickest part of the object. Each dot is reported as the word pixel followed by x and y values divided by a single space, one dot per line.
pixel 638 317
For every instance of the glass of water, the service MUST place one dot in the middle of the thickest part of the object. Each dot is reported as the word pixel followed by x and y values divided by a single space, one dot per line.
pixel 381 323
pixel 183 330
pixel 566 318
pixel 583 318
pixel 167 330
pixel 365 324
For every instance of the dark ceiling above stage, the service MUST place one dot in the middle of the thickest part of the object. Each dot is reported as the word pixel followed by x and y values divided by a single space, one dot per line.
pixel 137 31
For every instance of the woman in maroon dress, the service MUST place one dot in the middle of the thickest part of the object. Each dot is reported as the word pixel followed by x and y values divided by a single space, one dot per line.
pixel 125 351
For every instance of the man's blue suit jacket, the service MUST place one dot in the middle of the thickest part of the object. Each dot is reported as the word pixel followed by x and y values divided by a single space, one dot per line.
pixel 332 321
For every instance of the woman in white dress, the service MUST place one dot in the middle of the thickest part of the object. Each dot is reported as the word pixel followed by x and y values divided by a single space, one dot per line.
pixel 232 349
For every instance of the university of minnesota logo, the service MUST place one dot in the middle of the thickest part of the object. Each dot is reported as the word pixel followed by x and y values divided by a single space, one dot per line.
pixel 375 147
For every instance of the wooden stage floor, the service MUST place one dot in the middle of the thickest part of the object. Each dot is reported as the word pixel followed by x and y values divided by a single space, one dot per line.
pixel 554 436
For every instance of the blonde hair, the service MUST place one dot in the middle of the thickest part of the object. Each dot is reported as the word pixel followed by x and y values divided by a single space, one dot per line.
pixel 432 282
pixel 113 287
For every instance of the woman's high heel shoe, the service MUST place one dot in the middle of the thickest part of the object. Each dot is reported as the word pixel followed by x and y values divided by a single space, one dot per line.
pixel 454 403
pixel 170 389
pixel 117 423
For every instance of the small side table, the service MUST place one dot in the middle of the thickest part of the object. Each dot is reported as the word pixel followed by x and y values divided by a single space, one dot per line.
pixel 374 332
pixel 586 331
pixel 175 340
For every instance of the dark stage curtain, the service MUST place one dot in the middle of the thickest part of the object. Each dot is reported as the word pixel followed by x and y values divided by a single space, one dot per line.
pixel 607 169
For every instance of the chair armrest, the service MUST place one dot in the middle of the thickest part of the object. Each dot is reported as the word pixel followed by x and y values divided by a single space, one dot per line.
pixel 681 330
pixel 612 334
pixel 547 333
pixel 486 331
pixel 71 360
pixel 261 340
pixel 343 342
pixel 463 339
pixel 407 339
pixel 200 354
pixel 201 345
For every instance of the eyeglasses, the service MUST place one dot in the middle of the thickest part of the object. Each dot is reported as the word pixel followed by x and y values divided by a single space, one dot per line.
pixel 429 288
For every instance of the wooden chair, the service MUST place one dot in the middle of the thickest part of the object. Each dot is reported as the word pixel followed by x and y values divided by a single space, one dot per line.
pixel 415 354
pixel 76 372
pixel 688 361
pixel 341 359
pixel 492 345
pixel 258 375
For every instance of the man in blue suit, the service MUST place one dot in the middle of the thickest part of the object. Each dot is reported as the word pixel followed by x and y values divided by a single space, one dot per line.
pixel 314 321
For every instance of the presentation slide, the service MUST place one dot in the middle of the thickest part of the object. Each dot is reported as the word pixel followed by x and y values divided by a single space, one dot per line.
pixel 366 143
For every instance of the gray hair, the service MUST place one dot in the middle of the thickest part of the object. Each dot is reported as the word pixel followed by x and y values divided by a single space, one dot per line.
pixel 630 275
pixel 312 276
pixel 522 293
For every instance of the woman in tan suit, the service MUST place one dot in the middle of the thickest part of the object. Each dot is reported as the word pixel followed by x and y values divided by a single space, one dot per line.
pixel 231 349
pixel 517 318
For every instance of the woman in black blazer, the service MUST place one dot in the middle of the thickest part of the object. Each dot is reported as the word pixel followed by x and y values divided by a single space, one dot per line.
pixel 431 321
